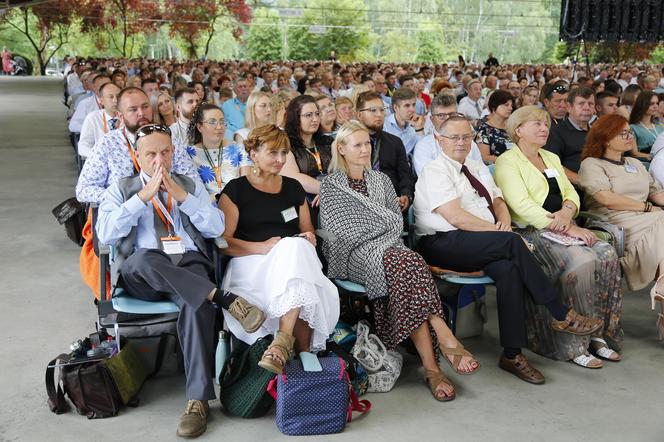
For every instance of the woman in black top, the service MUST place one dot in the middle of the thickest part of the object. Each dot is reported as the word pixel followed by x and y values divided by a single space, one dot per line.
pixel 311 152
pixel 270 236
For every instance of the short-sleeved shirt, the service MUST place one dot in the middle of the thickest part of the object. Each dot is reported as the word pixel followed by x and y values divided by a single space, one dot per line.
pixel 232 158
pixel 263 215
pixel 442 181
pixel 597 174
pixel 496 138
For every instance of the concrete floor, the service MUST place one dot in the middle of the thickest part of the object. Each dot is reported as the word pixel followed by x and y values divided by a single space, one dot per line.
pixel 45 306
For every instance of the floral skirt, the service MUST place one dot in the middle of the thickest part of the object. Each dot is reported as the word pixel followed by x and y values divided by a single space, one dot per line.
pixel 589 280
pixel 412 297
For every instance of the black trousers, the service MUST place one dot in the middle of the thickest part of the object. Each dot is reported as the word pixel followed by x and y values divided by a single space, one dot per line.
pixel 150 274
pixel 505 258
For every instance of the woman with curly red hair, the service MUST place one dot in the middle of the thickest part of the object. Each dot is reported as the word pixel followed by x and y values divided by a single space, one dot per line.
pixel 621 188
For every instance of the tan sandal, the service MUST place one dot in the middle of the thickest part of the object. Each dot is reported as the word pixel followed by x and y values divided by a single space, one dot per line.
pixel 577 324
pixel 278 353
pixel 458 353
pixel 433 379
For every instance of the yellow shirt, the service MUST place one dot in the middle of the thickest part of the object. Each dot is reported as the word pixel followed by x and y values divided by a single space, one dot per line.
pixel 525 188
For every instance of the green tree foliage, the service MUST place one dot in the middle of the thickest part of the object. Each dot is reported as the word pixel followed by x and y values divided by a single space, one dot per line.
pixel 265 41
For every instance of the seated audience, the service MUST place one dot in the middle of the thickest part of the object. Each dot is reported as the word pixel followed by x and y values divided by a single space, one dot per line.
pixel 186 101
pixel 627 100
pixel 388 154
pixel 216 159
pixel 199 87
pixel 541 198
pixel 137 215
pixel 280 102
pixel 309 154
pixel 644 125
pixel 529 96
pixel 163 109
pixel 463 225
pixel 567 137
pixel 657 162
pixel 620 188
pixel 99 122
pixel 258 113
pixel 491 138
pixel 360 208
pixel 443 106
pixel 150 86
pixel 271 239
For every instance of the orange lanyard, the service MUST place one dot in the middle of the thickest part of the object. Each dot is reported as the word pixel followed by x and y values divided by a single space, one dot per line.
pixel 161 215
pixel 103 119
pixel 316 155
pixel 132 155
pixel 215 167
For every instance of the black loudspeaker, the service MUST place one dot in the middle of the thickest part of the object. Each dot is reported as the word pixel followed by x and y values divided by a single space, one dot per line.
pixel 612 20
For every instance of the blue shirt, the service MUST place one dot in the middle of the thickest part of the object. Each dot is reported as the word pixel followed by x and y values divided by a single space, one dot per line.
pixel 427 149
pixel 234 111
pixel 117 217
pixel 408 136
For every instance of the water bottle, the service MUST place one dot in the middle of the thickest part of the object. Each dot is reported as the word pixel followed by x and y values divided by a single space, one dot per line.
pixel 221 354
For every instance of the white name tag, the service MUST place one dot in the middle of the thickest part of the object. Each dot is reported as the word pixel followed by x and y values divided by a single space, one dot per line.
pixel 630 168
pixel 173 246
pixel 289 214
pixel 551 173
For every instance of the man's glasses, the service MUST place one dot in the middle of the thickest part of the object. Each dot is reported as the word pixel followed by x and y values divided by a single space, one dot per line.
pixel 374 110
pixel 456 138
pixel 214 122
pixel 447 115
pixel 149 129
pixel 310 115
pixel 627 134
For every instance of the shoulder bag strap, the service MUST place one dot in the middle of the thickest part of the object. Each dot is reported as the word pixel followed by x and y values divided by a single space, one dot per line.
pixel 56 397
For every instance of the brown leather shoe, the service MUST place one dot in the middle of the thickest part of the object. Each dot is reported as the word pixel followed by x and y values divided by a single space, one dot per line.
pixel 521 368
pixel 193 422
pixel 577 324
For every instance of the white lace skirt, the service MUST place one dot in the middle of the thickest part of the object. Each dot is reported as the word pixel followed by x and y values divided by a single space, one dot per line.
pixel 288 277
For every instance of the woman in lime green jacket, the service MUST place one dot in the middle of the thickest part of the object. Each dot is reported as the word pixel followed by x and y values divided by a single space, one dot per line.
pixel 541 199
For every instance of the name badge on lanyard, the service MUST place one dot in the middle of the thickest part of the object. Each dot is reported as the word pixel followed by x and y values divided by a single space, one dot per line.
pixel 630 168
pixel 171 244
pixel 551 173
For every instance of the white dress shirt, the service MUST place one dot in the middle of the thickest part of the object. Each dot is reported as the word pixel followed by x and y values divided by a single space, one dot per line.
pixel 442 181
pixel 179 131
pixel 86 106
pixel 471 109
pixel 95 125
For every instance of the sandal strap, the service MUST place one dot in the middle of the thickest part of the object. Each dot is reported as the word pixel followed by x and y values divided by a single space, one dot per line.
pixel 524 366
pixel 458 353
pixel 605 352
pixel 584 360
pixel 434 379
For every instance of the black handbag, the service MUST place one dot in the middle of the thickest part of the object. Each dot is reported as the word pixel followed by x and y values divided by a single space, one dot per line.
pixel 98 388
pixel 71 214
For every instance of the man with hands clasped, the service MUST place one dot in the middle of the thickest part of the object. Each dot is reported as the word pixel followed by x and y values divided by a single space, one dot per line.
pixel 159 221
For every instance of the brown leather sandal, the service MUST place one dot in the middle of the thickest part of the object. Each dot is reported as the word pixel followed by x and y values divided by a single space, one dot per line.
pixel 577 324
pixel 278 353
pixel 458 353
pixel 433 379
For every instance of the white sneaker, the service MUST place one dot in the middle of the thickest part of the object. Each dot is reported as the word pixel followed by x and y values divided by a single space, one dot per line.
pixel 588 361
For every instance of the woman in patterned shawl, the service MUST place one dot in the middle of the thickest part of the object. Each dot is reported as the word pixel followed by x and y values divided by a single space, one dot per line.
pixel 360 209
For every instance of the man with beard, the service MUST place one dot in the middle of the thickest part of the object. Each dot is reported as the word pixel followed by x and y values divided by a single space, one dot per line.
pixel 186 101
pixel 113 157
pixel 388 153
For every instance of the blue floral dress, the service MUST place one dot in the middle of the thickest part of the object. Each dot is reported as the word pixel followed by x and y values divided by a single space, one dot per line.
pixel 226 161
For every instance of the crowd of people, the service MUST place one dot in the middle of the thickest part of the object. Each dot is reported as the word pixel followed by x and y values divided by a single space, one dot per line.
pixel 495 162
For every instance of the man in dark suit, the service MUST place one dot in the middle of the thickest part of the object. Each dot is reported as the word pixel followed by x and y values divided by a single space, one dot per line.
pixel 388 152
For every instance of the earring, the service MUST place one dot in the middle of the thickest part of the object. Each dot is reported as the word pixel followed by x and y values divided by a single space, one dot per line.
pixel 255 171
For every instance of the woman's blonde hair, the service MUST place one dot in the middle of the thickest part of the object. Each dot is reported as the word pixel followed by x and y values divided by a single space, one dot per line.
pixel 250 115
pixel 338 162
pixel 154 101
pixel 357 90
pixel 523 115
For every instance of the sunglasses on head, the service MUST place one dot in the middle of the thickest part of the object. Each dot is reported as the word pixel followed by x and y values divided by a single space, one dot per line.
pixel 149 129
pixel 560 89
